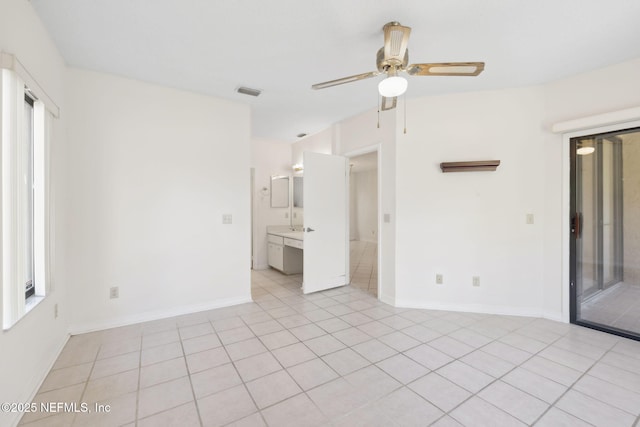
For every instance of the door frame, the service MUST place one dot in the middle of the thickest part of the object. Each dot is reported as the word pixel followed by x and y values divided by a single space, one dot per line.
pixel 602 123
pixel 355 153
pixel 569 242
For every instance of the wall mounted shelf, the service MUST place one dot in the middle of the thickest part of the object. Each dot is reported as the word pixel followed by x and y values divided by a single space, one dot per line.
pixel 476 166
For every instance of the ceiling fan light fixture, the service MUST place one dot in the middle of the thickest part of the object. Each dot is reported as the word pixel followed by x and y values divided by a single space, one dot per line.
pixel 392 86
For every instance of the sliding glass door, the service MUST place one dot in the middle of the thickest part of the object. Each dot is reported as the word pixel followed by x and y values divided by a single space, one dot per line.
pixel 605 228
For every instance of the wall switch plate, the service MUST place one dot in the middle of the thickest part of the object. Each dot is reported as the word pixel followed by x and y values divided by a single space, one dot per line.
pixel 387 218
pixel 439 279
pixel 476 280
pixel 114 292
pixel 55 311
pixel 286 214
pixel 227 219
pixel 530 218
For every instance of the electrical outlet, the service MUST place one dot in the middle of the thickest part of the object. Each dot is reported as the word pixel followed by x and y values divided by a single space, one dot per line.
pixel 439 279
pixel 114 292
pixel 227 219
pixel 55 311
pixel 476 280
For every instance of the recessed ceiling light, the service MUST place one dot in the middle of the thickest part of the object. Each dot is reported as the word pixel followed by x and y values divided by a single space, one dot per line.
pixel 248 91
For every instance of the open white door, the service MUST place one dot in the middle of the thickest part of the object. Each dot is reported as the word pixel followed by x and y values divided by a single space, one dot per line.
pixel 325 222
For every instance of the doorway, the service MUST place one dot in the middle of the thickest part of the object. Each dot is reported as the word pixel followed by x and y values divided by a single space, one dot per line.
pixel 605 231
pixel 363 222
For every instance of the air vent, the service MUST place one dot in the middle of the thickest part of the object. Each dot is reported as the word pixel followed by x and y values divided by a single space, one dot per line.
pixel 248 91
pixel 301 135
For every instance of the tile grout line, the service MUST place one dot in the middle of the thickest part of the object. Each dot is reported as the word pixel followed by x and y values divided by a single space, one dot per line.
pixel 139 378
pixel 193 392
pixel 350 297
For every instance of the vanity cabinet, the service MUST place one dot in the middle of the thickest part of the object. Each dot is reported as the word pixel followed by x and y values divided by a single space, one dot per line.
pixel 275 251
pixel 285 254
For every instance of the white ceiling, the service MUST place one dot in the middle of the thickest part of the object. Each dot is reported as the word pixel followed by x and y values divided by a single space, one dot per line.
pixel 284 46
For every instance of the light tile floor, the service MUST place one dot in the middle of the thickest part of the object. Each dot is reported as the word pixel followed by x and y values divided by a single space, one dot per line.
pixel 342 358
pixel 618 306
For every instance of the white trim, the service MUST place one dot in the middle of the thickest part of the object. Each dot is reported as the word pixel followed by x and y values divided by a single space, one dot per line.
pixel 10 62
pixel 565 294
pixel 611 118
pixel 364 150
pixel 596 127
pixel 482 308
pixel 387 299
pixel 156 315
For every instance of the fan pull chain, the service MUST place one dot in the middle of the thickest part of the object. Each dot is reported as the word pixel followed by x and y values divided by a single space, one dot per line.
pixel 405 112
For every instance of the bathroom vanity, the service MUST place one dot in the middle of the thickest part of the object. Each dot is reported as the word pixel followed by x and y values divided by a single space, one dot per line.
pixel 285 249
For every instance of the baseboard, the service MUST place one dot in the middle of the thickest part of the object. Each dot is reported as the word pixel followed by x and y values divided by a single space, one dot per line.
pixel 387 299
pixel 261 267
pixel 38 379
pixel 156 315
pixel 480 308
pixel 552 315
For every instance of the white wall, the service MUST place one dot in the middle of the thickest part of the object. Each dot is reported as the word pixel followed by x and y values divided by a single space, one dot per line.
pixel 151 172
pixel 473 224
pixel 321 142
pixel 268 158
pixel 30 347
pixel 470 224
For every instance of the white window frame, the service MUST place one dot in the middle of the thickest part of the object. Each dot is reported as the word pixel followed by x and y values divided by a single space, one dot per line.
pixel 15 82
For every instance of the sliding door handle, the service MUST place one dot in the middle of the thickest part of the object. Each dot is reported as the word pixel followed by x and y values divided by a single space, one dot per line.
pixel 309 229
pixel 576 225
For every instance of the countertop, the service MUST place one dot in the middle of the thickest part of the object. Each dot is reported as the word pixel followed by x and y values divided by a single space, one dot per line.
pixel 286 231
pixel 297 235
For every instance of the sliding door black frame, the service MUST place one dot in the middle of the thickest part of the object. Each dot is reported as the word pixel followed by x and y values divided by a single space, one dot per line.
pixel 576 226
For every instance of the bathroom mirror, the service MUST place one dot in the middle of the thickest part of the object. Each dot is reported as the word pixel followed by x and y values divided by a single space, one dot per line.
pixel 297 212
pixel 298 189
pixel 279 191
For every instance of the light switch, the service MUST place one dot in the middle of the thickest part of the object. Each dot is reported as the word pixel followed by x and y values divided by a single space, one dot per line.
pixel 530 218
pixel 227 219
pixel 387 218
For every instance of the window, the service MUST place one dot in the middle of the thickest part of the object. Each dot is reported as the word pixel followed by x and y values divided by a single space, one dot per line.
pixel 28 190
pixel 25 115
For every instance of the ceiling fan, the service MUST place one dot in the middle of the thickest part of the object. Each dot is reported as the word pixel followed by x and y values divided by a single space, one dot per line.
pixel 393 58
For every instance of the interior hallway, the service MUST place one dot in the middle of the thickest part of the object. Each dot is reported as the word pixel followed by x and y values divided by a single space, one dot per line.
pixel 363 257
pixel 342 358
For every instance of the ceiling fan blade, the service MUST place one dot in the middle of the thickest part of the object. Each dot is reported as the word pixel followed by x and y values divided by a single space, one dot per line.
pixel 388 103
pixel 344 80
pixel 446 69
pixel 396 38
